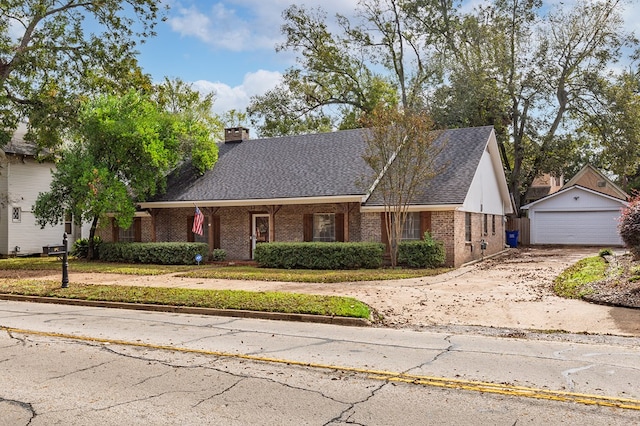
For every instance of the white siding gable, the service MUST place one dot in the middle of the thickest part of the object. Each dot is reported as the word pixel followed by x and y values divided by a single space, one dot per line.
pixel 577 199
pixel 488 192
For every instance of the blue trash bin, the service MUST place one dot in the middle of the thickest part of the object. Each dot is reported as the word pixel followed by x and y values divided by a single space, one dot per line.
pixel 512 239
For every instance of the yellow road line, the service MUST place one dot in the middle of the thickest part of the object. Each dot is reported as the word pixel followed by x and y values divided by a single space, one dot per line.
pixel 390 376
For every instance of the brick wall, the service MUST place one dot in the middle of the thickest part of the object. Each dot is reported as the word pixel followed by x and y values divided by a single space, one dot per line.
pixel 371 226
pixel 172 225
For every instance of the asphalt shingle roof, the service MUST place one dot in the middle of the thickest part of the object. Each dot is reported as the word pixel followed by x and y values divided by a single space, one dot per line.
pixel 318 165
pixel 17 145
pixel 457 162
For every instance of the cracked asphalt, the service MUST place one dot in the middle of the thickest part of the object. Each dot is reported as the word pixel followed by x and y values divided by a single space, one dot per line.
pixel 86 366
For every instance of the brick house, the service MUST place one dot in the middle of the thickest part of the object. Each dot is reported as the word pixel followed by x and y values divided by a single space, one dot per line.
pixel 310 188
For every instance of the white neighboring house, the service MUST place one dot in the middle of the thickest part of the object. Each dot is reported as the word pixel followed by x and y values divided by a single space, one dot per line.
pixel 22 178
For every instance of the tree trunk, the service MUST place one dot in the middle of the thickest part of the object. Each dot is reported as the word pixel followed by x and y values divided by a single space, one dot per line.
pixel 92 233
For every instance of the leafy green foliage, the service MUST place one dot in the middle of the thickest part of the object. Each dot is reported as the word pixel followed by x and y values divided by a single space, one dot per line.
pixel 426 253
pixel 616 126
pixel 156 253
pixel 80 247
pixel 218 255
pixel 195 125
pixel 123 149
pixel 629 226
pixel 605 252
pixel 49 60
pixel 335 71
pixel 319 255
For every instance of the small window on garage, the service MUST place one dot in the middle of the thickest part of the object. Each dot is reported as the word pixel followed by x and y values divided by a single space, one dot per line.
pixel 16 214
pixel 602 184
pixel 493 224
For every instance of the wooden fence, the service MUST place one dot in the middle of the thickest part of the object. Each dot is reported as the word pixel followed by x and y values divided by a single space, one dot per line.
pixel 523 226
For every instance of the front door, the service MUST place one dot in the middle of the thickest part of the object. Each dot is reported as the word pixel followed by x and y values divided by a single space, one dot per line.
pixel 259 230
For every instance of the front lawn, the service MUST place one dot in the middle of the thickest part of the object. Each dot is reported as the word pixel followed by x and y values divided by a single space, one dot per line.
pixel 221 272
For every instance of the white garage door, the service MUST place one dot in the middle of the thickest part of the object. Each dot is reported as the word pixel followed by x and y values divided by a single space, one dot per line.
pixel 588 228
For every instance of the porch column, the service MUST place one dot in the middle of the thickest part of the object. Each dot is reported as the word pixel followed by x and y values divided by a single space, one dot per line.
pixel 154 213
pixel 272 221
pixel 346 210
pixel 210 213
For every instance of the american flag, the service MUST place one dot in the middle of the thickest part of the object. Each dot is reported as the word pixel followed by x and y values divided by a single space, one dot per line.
pixel 198 220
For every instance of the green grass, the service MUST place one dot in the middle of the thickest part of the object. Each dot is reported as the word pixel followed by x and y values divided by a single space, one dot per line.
pixel 75 265
pixel 307 275
pixel 217 299
pixel 221 272
pixel 574 281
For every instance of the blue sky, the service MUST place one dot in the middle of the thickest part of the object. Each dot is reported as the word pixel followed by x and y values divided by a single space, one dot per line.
pixel 229 46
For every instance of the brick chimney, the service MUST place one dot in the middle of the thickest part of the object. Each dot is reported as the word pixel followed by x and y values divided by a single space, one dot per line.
pixel 236 134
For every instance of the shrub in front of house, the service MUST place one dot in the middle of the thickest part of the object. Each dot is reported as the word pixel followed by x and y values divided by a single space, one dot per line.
pixel 156 253
pixel 80 247
pixel 426 253
pixel 629 226
pixel 319 255
pixel 218 255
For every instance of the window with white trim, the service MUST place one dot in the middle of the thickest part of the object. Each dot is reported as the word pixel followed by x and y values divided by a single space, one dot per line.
pixel 324 227
pixel 411 229
pixel 16 214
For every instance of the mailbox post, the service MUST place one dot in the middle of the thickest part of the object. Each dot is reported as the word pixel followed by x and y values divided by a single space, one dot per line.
pixel 65 263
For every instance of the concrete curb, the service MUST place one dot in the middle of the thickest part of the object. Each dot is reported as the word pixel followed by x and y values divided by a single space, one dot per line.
pixel 236 313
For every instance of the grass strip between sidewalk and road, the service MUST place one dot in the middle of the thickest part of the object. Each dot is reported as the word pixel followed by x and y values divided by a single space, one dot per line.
pixel 293 303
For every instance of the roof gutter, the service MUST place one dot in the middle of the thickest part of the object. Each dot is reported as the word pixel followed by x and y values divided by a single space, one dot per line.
pixel 415 208
pixel 251 202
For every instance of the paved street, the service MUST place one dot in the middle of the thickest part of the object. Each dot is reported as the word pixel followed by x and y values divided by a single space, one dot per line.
pixel 78 365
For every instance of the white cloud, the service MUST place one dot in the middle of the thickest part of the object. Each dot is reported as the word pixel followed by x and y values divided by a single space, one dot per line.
pixel 191 22
pixel 227 97
pixel 242 25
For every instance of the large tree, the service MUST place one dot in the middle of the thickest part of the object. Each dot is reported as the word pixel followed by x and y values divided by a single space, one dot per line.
pixel 401 153
pixel 615 123
pixel 120 154
pixel 373 59
pixel 539 70
pixel 53 51
pixel 528 70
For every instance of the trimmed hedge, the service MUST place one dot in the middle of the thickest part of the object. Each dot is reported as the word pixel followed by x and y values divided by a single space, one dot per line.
pixel 427 253
pixel 157 253
pixel 319 255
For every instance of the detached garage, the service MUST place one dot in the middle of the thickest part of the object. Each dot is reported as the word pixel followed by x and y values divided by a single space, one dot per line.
pixel 576 215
